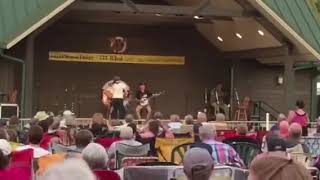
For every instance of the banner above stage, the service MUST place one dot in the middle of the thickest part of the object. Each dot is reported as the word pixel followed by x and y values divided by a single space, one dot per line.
pixel 115 58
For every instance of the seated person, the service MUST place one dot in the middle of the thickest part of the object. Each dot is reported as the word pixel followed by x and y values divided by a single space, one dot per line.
pixel 276 146
pixel 186 129
pixel 96 156
pixel 241 136
pixel 293 143
pixel 5 152
pixel 51 136
pixel 188 120
pixel 97 118
pixel 277 168
pixel 275 127
pixel 46 123
pixel 128 120
pixel 35 135
pixel 83 138
pixel 203 146
pixel 7 172
pixel 283 129
pixel 133 127
pixel 117 125
pixel 98 130
pixel 153 129
pixel 175 122
pixel 126 134
pixel 222 153
pixel 220 123
pixel 71 169
pixel 198 164
pixel 201 120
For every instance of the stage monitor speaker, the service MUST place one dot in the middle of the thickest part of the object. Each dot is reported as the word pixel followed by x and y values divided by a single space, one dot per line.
pixel 8 110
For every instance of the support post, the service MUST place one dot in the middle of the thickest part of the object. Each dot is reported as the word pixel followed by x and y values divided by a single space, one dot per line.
pixel 289 86
pixel 232 92
pixel 29 66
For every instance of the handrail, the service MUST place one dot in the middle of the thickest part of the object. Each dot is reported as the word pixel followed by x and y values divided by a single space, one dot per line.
pixel 261 108
pixel 269 106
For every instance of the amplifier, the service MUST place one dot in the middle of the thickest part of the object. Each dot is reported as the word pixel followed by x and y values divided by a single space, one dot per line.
pixel 8 110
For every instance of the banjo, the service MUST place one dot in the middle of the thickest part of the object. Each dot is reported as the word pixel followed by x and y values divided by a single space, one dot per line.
pixel 144 101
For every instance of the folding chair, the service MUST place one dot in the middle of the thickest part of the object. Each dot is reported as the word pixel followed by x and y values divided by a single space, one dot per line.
pixel 106 175
pixel 124 150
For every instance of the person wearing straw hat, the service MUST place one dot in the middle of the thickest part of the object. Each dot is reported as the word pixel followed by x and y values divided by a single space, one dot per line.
pixel 41 115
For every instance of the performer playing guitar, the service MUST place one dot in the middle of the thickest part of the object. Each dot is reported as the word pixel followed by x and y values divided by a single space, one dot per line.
pixel 114 92
pixel 142 96
pixel 217 100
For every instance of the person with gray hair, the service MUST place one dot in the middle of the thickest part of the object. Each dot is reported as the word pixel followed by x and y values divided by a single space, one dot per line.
pixel 82 139
pixel 188 119
pixel 275 128
pixel 175 122
pixel 220 123
pixel 202 117
pixel 198 164
pixel 95 155
pixel 127 136
pixel 69 169
pixel 129 119
pixel 222 153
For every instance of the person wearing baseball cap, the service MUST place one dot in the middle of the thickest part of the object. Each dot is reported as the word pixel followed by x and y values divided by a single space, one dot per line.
pixel 198 164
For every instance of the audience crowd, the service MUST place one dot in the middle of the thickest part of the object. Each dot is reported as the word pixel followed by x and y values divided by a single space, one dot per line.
pixel 55 147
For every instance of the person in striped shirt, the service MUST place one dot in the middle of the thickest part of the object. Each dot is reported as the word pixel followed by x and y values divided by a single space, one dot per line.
pixel 222 153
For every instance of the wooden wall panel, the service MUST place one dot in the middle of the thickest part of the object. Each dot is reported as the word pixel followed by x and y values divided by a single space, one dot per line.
pixel 184 84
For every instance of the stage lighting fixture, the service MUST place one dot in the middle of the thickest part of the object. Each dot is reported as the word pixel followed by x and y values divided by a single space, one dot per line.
pixel 197 17
pixel 239 35
pixel 261 32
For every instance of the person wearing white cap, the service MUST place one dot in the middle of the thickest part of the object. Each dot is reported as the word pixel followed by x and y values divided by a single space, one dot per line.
pixel 5 151
pixel 68 118
pixel 198 164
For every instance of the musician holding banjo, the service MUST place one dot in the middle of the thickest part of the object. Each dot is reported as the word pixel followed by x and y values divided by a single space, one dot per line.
pixel 142 96
pixel 217 97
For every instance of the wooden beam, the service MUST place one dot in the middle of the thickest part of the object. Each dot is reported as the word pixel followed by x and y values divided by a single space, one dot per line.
pixel 165 10
pixel 29 73
pixel 258 53
pixel 289 86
